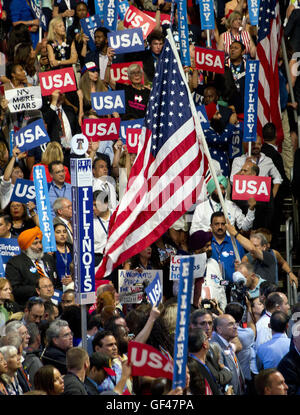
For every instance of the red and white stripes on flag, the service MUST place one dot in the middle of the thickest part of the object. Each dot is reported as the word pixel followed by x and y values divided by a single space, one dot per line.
pixel 167 175
pixel 269 37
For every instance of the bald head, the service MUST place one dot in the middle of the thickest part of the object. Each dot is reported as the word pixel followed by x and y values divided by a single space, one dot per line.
pixel 226 327
pixel 249 169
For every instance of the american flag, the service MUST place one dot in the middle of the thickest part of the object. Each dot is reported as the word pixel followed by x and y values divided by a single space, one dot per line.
pixel 168 172
pixel 268 44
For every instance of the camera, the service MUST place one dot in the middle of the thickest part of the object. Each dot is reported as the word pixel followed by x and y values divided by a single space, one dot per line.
pixel 239 293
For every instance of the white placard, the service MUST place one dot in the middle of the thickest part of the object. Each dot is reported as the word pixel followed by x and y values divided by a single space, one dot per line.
pixel 24 99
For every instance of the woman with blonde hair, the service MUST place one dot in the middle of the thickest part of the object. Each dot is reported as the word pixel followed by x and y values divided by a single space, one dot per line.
pixel 53 152
pixel 61 54
pixel 234 33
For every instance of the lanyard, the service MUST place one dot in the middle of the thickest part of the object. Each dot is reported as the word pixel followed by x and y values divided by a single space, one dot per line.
pixel 55 191
pixel 102 224
pixel 64 258
pixel 203 364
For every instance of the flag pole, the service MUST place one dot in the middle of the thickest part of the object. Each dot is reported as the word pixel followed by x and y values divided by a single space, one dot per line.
pixel 202 140
pixel 208 38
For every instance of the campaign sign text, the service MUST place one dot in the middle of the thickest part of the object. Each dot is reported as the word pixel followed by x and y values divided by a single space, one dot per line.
pixel 110 14
pixel 123 6
pixel 108 102
pixel 132 139
pixel 136 18
pixel 101 129
pixel 126 41
pixel 210 60
pixel 31 136
pixel 89 25
pixel 131 284
pixel 207 17
pixel 119 72
pixel 24 191
pixel 154 291
pixel 83 230
pixel 61 79
pixel 198 270
pixel 138 123
pixel 39 14
pixel 2 271
pixel 201 111
pixel 244 187
pixel 9 247
pixel 183 33
pixel 253 9
pixel 99 6
pixel 44 209
pixel 164 18
pixel 250 101
pixel 145 360
pixel 182 322
pixel 24 99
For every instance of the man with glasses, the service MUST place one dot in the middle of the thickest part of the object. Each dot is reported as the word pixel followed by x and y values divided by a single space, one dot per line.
pixel 225 330
pixel 58 187
pixel 59 339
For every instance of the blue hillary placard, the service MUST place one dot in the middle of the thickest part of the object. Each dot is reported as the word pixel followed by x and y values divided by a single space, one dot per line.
pixel 201 111
pixel 83 230
pixel 24 191
pixel 253 9
pixel 138 123
pixel 235 148
pixel 123 6
pixel 9 247
pixel 251 100
pixel 89 25
pixel 207 14
pixel 99 6
pixel 182 323
pixel 39 14
pixel 31 136
pixel 183 33
pixel 44 209
pixel 110 14
pixel 108 102
pixel 154 291
pixel 126 41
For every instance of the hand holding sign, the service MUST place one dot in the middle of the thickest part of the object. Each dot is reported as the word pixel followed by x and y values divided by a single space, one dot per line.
pixel 17 154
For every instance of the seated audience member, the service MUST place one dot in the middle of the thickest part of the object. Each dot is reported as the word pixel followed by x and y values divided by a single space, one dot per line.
pixel 49 380
pixel 59 340
pixel 23 270
pixel 270 382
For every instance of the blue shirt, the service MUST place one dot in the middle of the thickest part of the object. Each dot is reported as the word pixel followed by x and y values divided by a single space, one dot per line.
pixel 224 254
pixel 270 353
pixel 255 292
pixel 21 11
pixel 55 192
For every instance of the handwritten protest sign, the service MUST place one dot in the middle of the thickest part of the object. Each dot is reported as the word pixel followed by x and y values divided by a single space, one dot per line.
pixel 244 187
pixel 24 99
pixel 132 283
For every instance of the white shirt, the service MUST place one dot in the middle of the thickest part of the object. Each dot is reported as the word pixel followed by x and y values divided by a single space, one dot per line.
pixel 203 212
pixel 263 331
pixel 217 291
pixel 6 189
pixel 65 141
pixel 100 235
pixel 266 167
pixel 103 60
pixel 99 184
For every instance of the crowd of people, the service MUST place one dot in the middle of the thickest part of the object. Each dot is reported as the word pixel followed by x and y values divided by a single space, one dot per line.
pixel 243 336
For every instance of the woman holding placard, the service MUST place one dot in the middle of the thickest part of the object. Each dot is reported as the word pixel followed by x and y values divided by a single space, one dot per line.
pixel 61 54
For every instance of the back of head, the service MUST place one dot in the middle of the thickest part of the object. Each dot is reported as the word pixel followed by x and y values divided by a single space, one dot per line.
pixel 269 132
pixel 33 332
pixel 236 310
pixel 267 288
pixel 196 339
pixel 273 300
pixel 261 381
pixel 99 360
pixel 279 322
pixel 76 358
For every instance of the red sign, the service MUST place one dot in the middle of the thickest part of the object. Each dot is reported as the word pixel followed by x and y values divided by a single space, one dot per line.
pixel 132 139
pixel 61 79
pixel 164 18
pixel 101 129
pixel 210 60
pixel 244 187
pixel 148 361
pixel 118 72
pixel 135 18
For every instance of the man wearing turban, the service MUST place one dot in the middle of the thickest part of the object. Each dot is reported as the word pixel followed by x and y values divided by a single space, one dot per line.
pixel 203 212
pixel 25 269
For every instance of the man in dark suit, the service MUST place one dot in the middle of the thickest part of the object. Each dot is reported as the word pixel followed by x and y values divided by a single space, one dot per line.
pixel 23 270
pixel 78 363
pixel 63 215
pixel 198 345
pixel 225 330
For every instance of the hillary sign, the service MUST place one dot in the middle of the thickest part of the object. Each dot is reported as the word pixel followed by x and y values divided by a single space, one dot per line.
pixel 9 247
pixel 183 33
pixel 251 99
pixel 110 14
pixel 182 323
pixel 89 25
pixel 125 41
pixel 108 102
pixel 31 136
pixel 43 208
pixel 253 9
pixel 83 230
pixel 207 16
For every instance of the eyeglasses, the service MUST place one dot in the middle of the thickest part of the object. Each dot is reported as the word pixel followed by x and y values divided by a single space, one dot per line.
pixel 65 336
